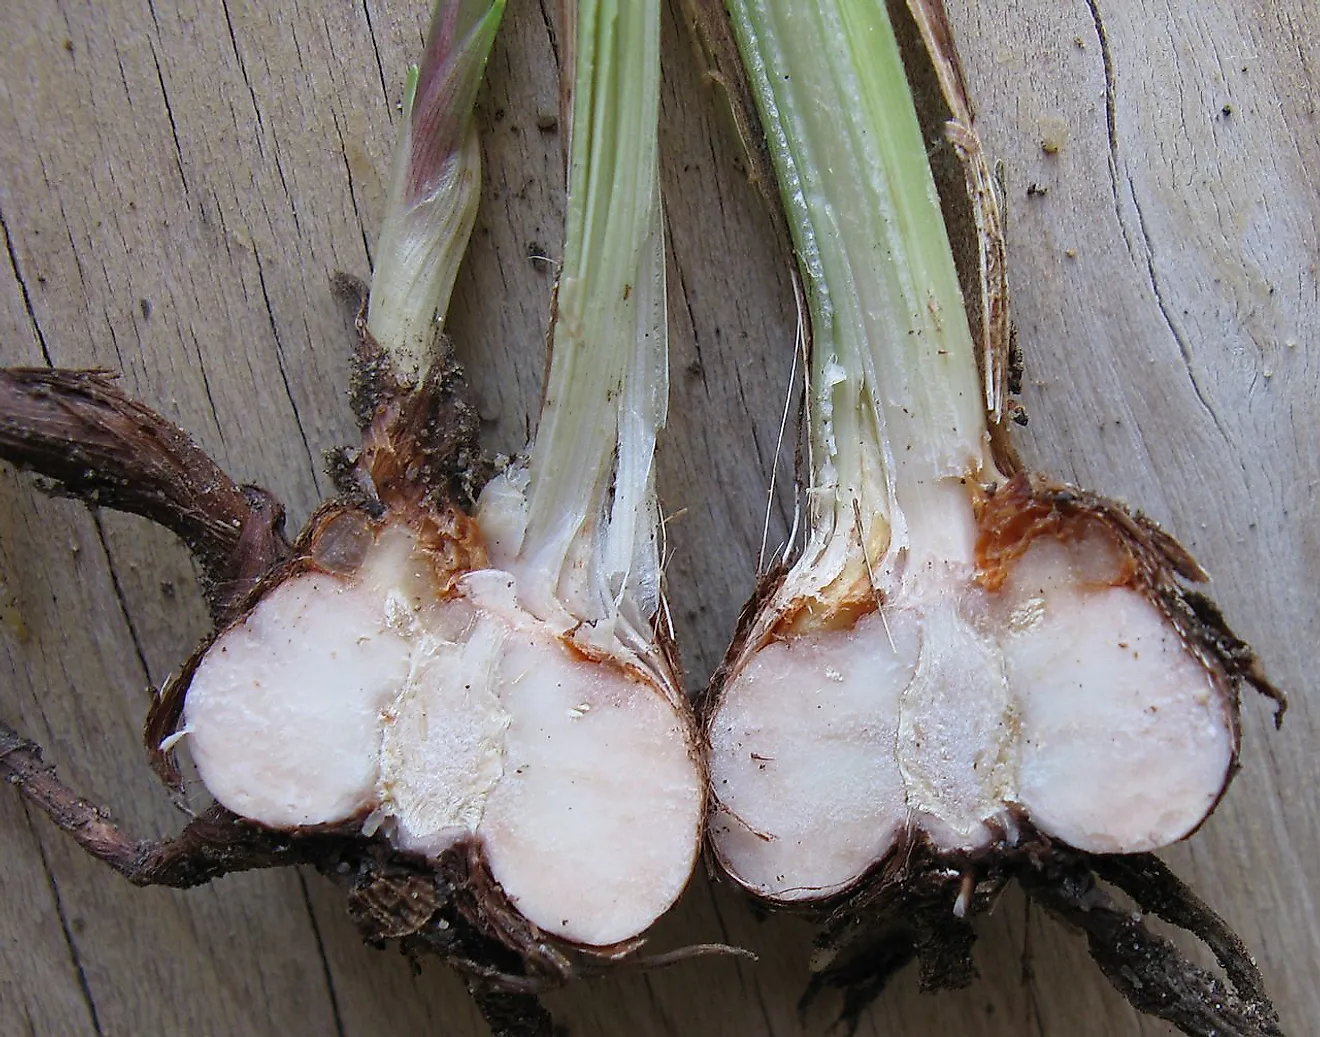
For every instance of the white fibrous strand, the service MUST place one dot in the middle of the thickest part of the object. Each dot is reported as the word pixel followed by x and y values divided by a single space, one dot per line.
pixel 447 681
pixel 933 667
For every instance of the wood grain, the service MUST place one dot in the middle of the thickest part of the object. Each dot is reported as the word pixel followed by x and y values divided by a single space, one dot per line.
pixel 177 183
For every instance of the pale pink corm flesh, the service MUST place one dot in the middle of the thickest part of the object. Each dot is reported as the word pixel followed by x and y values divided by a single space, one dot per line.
pixel 951 712
pixel 442 721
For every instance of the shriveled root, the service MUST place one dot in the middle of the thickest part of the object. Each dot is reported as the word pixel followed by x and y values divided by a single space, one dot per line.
pixel 907 914
pixel 94 443
pixel 1147 969
pixel 427 908
pixel 213 844
pixel 90 441
pixel 873 935
pixel 1157 890
pixel 513 1015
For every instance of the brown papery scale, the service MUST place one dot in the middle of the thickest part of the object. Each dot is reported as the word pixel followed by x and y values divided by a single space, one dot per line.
pixel 967 674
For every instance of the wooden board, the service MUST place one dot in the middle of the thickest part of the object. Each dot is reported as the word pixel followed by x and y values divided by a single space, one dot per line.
pixel 178 181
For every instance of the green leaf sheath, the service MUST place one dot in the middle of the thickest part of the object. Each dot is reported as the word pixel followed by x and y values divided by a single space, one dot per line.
pixel 895 391
pixel 591 521
pixel 434 187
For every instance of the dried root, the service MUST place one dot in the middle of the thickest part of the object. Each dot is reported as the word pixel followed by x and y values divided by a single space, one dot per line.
pixel 391 897
pixel 912 915
pixel 91 442
pixel 78 430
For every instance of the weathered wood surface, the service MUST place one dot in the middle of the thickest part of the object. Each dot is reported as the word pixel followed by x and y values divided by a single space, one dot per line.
pixel 178 180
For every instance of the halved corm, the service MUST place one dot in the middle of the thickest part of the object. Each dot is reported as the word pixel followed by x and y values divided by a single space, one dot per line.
pixel 501 680
pixel 1049 678
pixel 469 715
pixel 968 674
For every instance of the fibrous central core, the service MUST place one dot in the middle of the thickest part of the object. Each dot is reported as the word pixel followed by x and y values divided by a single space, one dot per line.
pixel 447 718
pixel 1057 693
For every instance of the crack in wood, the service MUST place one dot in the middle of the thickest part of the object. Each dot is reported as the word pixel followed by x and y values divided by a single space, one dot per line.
pixel 352 192
pixel 320 949
pixel 375 47
pixel 23 290
pixel 551 34
pixel 284 373
pixel 1115 178
pixel 1111 117
pixel 1180 340
pixel 169 114
pixel 75 957
pixel 124 611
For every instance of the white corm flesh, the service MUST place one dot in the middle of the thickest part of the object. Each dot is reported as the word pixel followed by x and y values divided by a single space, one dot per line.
pixel 896 688
pixel 449 719
pixel 1065 698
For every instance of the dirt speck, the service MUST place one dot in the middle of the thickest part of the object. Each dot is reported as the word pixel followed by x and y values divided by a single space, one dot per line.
pixel 1053 134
